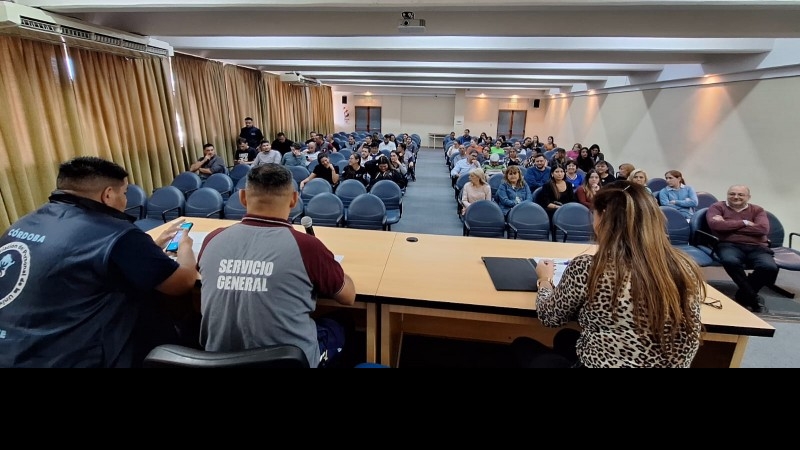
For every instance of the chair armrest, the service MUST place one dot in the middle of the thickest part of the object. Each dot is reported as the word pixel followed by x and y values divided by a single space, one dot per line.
pixel 189 192
pixel 563 231
pixel 790 238
pixel 217 212
pixel 707 240
pixel 140 208
pixel 164 213
pixel 514 229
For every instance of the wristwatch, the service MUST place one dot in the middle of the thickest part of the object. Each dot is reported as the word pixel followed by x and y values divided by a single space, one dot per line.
pixel 548 280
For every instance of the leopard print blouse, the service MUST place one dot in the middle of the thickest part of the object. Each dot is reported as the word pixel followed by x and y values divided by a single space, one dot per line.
pixel 606 342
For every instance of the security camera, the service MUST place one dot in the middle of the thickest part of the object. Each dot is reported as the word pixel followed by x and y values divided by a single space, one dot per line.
pixel 407 15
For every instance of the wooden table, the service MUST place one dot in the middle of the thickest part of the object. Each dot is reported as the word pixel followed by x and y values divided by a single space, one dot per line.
pixel 439 286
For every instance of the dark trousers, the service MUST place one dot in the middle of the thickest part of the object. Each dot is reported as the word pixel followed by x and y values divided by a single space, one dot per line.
pixel 532 354
pixel 736 258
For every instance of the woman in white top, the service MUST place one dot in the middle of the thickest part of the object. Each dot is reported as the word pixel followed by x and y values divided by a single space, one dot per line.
pixel 476 189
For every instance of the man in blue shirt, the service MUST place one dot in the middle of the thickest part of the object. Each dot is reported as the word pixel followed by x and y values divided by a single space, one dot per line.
pixel 538 175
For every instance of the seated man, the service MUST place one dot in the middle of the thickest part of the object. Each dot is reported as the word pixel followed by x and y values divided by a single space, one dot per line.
pixel 244 153
pixel 742 230
pixel 294 157
pixel 494 165
pixel 266 155
pixel 463 166
pixel 209 164
pixel 261 277
pixel 539 174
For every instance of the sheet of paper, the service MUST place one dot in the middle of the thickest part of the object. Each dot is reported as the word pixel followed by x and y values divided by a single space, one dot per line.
pixel 560 266
pixel 198 237
pixel 338 258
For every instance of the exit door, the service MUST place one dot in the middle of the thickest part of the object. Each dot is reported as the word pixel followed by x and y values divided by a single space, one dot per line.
pixel 511 123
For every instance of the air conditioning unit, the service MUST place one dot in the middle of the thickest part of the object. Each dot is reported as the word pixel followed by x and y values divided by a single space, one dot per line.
pixel 299 80
pixel 36 24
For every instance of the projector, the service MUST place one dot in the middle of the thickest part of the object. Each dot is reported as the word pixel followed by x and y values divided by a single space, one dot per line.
pixel 411 26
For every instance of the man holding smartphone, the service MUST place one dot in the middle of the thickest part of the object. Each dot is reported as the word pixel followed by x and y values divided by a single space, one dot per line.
pixel 81 278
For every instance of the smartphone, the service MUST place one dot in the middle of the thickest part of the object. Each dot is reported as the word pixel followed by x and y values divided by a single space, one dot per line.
pixel 173 243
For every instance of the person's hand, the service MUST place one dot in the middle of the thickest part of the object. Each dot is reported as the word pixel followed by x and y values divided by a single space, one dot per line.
pixel 302 183
pixel 545 269
pixel 747 223
pixel 718 218
pixel 169 233
pixel 672 202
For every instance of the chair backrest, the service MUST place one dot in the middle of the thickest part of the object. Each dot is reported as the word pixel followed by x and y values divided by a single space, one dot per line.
pixel 348 190
pixel 573 222
pixel 495 181
pixel 366 212
pixel 705 199
pixel 698 223
pixel 239 171
pixel 341 165
pixel 315 187
pixel 462 180
pixel 336 157
pixel 484 218
pixel 536 193
pixel 345 153
pixel 529 221
pixel 325 209
pixel 776 232
pixel 205 202
pixel 310 167
pixel 296 213
pixel 656 184
pixel 166 203
pixel 177 356
pixel 137 201
pixel 678 229
pixel 299 173
pixel 389 192
pixel 222 183
pixel 187 182
pixel 386 153
pixel 234 209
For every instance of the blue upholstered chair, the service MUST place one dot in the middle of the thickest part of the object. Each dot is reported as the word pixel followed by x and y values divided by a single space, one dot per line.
pixel 325 209
pixel 166 203
pixel 172 356
pixel 187 182
pixel 392 196
pixel 137 201
pixel 366 212
pixel 573 222
pixel 205 202
pixel 529 221
pixel 484 218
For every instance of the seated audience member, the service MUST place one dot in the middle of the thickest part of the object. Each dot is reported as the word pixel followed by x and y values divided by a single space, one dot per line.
pixel 484 154
pixel 742 230
pixel 639 177
pixel 325 170
pixel 411 146
pixel 556 193
pixel 351 145
pixel 209 164
pixel 587 191
pixel 282 144
pixel 521 151
pixel 244 154
pixel 464 166
pixel 355 171
pixel 374 155
pixel 476 189
pixel 497 147
pixel 277 306
pixel 513 190
pixel 535 146
pixel 602 170
pixel 625 170
pixel 572 176
pixel 311 153
pixel 364 155
pixel 267 155
pixel 678 195
pixel 385 172
pixel 84 292
pixel 367 143
pixel 409 159
pixel 513 158
pixel 550 144
pixel 594 153
pixel 312 137
pixel 539 174
pixel 465 138
pixel 575 151
pixel 629 314
pixel 494 165
pixel 584 161
pixel 387 144
pixel 397 164
pixel 294 157
pixel 454 148
pixel 559 159
pixel 330 145
pixel 484 139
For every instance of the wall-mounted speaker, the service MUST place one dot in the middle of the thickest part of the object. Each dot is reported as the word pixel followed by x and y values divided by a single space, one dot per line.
pixel 344 99
pixel 536 103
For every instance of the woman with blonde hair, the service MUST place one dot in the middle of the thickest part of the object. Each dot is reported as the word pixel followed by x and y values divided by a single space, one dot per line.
pixel 639 177
pixel 625 170
pixel 637 299
pixel 477 188
pixel 513 190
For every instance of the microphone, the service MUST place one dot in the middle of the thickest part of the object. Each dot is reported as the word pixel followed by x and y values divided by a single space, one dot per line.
pixel 306 222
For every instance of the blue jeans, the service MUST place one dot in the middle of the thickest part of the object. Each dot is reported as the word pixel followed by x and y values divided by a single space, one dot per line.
pixel 736 258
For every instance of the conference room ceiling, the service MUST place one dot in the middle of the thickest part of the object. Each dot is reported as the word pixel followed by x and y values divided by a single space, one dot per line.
pixel 492 48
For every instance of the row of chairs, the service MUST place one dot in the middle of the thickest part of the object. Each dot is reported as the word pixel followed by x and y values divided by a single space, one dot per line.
pixel 570 223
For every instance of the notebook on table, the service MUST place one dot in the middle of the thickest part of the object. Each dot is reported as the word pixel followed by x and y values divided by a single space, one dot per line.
pixel 511 274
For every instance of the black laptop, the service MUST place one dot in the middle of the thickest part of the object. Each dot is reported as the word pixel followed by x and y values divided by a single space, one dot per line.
pixel 511 274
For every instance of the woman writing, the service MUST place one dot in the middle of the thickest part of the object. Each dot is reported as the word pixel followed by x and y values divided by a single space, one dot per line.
pixel 637 300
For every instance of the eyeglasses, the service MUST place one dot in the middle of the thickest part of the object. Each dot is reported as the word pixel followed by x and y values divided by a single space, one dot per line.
pixel 712 302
